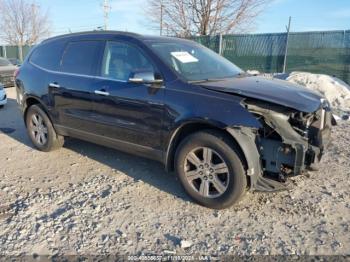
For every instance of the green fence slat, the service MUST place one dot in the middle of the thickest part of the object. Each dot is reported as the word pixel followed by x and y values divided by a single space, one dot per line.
pixel 13 51
pixel 325 52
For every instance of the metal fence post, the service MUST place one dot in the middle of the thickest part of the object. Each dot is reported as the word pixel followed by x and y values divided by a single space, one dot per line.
pixel 4 51
pixel 20 52
pixel 346 61
pixel 286 51
pixel 220 44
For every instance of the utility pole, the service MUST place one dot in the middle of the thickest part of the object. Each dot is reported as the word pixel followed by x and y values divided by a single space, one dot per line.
pixel 106 9
pixel 161 18
pixel 34 8
pixel 286 51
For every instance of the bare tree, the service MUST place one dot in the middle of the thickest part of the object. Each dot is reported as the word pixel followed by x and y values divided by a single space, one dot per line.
pixel 204 17
pixel 22 22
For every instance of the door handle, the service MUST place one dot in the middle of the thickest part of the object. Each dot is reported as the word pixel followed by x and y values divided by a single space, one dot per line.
pixel 102 93
pixel 55 85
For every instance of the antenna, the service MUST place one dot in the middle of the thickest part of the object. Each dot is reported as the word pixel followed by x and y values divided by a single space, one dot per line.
pixel 106 9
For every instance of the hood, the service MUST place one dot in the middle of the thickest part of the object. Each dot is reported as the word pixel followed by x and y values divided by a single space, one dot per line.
pixel 8 69
pixel 270 90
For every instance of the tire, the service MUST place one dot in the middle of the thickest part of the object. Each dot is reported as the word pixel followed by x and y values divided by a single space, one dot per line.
pixel 39 126
pixel 225 180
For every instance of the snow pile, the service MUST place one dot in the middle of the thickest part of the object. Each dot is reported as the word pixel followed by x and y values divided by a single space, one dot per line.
pixel 336 91
pixel 253 72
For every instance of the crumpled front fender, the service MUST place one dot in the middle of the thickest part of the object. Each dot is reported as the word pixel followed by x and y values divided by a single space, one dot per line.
pixel 246 139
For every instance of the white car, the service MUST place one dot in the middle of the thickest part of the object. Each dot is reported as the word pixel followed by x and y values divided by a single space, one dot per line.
pixel 3 97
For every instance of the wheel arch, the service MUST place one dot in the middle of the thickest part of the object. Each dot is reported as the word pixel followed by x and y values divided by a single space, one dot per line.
pixel 189 128
pixel 31 100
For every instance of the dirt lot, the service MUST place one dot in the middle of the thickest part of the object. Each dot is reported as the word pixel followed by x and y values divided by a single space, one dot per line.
pixel 86 199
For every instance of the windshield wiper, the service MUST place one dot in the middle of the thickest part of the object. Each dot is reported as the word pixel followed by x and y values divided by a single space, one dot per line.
pixel 206 80
pixel 240 74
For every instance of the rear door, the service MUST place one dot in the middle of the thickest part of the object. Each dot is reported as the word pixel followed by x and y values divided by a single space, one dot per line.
pixel 71 86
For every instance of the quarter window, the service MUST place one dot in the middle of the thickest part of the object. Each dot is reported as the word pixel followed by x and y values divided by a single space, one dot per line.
pixel 81 57
pixel 48 55
pixel 121 61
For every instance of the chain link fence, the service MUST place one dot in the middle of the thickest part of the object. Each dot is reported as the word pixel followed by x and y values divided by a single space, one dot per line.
pixel 325 52
pixel 13 51
pixel 317 52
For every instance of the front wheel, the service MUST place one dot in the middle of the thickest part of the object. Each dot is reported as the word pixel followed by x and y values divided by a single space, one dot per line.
pixel 41 131
pixel 210 169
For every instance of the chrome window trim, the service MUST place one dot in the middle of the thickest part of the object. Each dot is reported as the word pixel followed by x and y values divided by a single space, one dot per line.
pixel 79 75
pixel 97 77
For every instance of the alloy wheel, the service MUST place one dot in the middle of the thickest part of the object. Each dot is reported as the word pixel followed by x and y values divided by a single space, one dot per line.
pixel 38 129
pixel 207 172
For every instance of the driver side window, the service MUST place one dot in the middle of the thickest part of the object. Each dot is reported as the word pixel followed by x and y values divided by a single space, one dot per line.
pixel 121 61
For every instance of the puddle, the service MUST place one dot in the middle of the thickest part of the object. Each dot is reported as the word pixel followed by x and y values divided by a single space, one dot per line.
pixel 7 130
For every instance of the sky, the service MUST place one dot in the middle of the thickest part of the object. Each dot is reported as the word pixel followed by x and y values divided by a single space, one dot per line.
pixel 128 15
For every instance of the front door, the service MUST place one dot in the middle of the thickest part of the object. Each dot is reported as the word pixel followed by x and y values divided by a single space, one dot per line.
pixel 131 113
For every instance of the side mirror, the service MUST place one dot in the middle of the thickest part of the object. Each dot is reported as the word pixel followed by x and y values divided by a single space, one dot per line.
pixel 144 78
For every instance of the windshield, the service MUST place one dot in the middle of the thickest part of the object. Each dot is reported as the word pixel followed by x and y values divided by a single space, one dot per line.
pixel 195 62
pixel 4 62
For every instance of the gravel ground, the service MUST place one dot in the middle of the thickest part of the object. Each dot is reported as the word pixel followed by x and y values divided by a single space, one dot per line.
pixel 86 199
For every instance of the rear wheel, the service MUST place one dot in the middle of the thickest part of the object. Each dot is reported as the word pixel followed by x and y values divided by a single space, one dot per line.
pixel 41 131
pixel 210 169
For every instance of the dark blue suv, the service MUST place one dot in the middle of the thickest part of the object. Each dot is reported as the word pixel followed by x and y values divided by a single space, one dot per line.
pixel 177 102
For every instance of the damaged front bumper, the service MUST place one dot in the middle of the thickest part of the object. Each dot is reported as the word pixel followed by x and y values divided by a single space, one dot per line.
pixel 282 148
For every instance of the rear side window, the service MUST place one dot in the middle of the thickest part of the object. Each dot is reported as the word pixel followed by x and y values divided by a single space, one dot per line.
pixel 48 55
pixel 81 57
